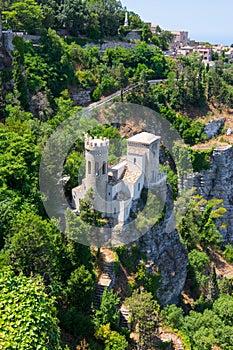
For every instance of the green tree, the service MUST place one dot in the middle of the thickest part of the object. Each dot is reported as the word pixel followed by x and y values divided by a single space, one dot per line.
pixel 173 316
pixel 80 288
pixel 73 14
pixel 108 312
pixel 165 38
pixel 28 315
pixel 199 224
pixel 198 262
pixel 223 307
pixel 20 86
pixel 112 339
pixel 24 15
pixel 36 247
pixel 212 288
pixel 146 33
pixel 144 313
pixel 108 14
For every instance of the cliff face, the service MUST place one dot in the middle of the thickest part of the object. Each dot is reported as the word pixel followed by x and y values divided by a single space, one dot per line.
pixel 165 251
pixel 217 182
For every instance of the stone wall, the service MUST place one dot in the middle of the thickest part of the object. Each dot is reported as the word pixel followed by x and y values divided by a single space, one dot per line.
pixel 8 44
pixel 217 182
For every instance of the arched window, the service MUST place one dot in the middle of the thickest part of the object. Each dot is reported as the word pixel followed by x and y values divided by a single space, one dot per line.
pixel 97 169
pixel 134 160
pixel 89 167
pixel 139 187
pixel 104 168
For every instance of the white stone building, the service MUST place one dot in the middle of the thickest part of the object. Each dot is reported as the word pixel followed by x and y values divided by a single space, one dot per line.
pixel 116 188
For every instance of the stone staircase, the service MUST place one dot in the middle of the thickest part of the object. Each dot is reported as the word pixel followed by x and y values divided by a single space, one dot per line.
pixel 124 317
pixel 106 278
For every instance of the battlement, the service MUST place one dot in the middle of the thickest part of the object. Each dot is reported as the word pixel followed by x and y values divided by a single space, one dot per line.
pixel 95 143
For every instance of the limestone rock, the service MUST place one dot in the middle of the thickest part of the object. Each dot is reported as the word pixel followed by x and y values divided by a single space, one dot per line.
pixel 212 129
pixel 217 182
pixel 163 247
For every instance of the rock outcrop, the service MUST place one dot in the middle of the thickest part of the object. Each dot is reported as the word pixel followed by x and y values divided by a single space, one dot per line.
pixel 212 129
pixel 217 182
pixel 164 250
pixel 161 244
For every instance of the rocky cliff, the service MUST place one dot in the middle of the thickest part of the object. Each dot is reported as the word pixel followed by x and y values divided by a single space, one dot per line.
pixel 164 249
pixel 165 253
pixel 217 182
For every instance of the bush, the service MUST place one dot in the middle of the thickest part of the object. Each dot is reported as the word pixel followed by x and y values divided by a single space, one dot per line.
pixel 228 253
pixel 172 316
pixel 76 323
pixel 96 94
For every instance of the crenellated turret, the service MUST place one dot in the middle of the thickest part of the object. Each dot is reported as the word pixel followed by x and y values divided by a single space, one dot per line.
pixel 96 155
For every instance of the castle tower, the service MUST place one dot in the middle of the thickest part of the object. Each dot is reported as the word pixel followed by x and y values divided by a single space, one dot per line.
pixel 96 156
pixel 126 24
pixel 143 155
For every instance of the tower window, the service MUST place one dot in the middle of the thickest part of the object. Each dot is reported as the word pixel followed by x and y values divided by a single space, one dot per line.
pixel 134 160
pixel 89 167
pixel 104 168
pixel 96 169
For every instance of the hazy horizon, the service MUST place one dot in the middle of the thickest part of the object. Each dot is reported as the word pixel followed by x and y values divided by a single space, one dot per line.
pixel 205 21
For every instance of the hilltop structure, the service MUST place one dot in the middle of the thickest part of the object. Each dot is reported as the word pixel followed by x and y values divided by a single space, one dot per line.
pixel 116 188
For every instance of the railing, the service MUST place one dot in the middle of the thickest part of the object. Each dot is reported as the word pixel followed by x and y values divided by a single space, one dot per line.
pixel 160 179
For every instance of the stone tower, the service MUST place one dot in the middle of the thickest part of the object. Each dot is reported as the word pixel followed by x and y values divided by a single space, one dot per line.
pixel 143 156
pixel 96 155
pixel 126 24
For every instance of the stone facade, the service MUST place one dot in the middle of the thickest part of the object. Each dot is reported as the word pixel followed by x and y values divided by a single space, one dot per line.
pixel 116 188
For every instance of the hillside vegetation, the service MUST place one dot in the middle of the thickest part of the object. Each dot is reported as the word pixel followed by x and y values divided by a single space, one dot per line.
pixel 47 279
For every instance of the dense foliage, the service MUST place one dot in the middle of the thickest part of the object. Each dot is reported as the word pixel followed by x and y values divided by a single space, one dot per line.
pixel 28 314
pixel 52 277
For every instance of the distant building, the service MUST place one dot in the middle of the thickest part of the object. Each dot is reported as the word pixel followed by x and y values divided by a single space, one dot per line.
pixel 205 52
pixel 180 38
pixel 185 50
pixel 116 188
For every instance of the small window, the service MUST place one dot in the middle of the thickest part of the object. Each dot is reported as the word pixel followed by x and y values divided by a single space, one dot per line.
pixel 135 160
pixel 139 186
pixel 109 193
pixel 89 167
pixel 104 168
pixel 114 210
pixel 96 169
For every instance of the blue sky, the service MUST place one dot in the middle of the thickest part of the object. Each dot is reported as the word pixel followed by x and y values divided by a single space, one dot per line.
pixel 210 20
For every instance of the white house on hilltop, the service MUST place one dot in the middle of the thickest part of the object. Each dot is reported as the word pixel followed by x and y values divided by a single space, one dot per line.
pixel 116 188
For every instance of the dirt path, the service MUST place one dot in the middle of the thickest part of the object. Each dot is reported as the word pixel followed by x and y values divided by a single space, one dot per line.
pixel 166 335
pixel 223 267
